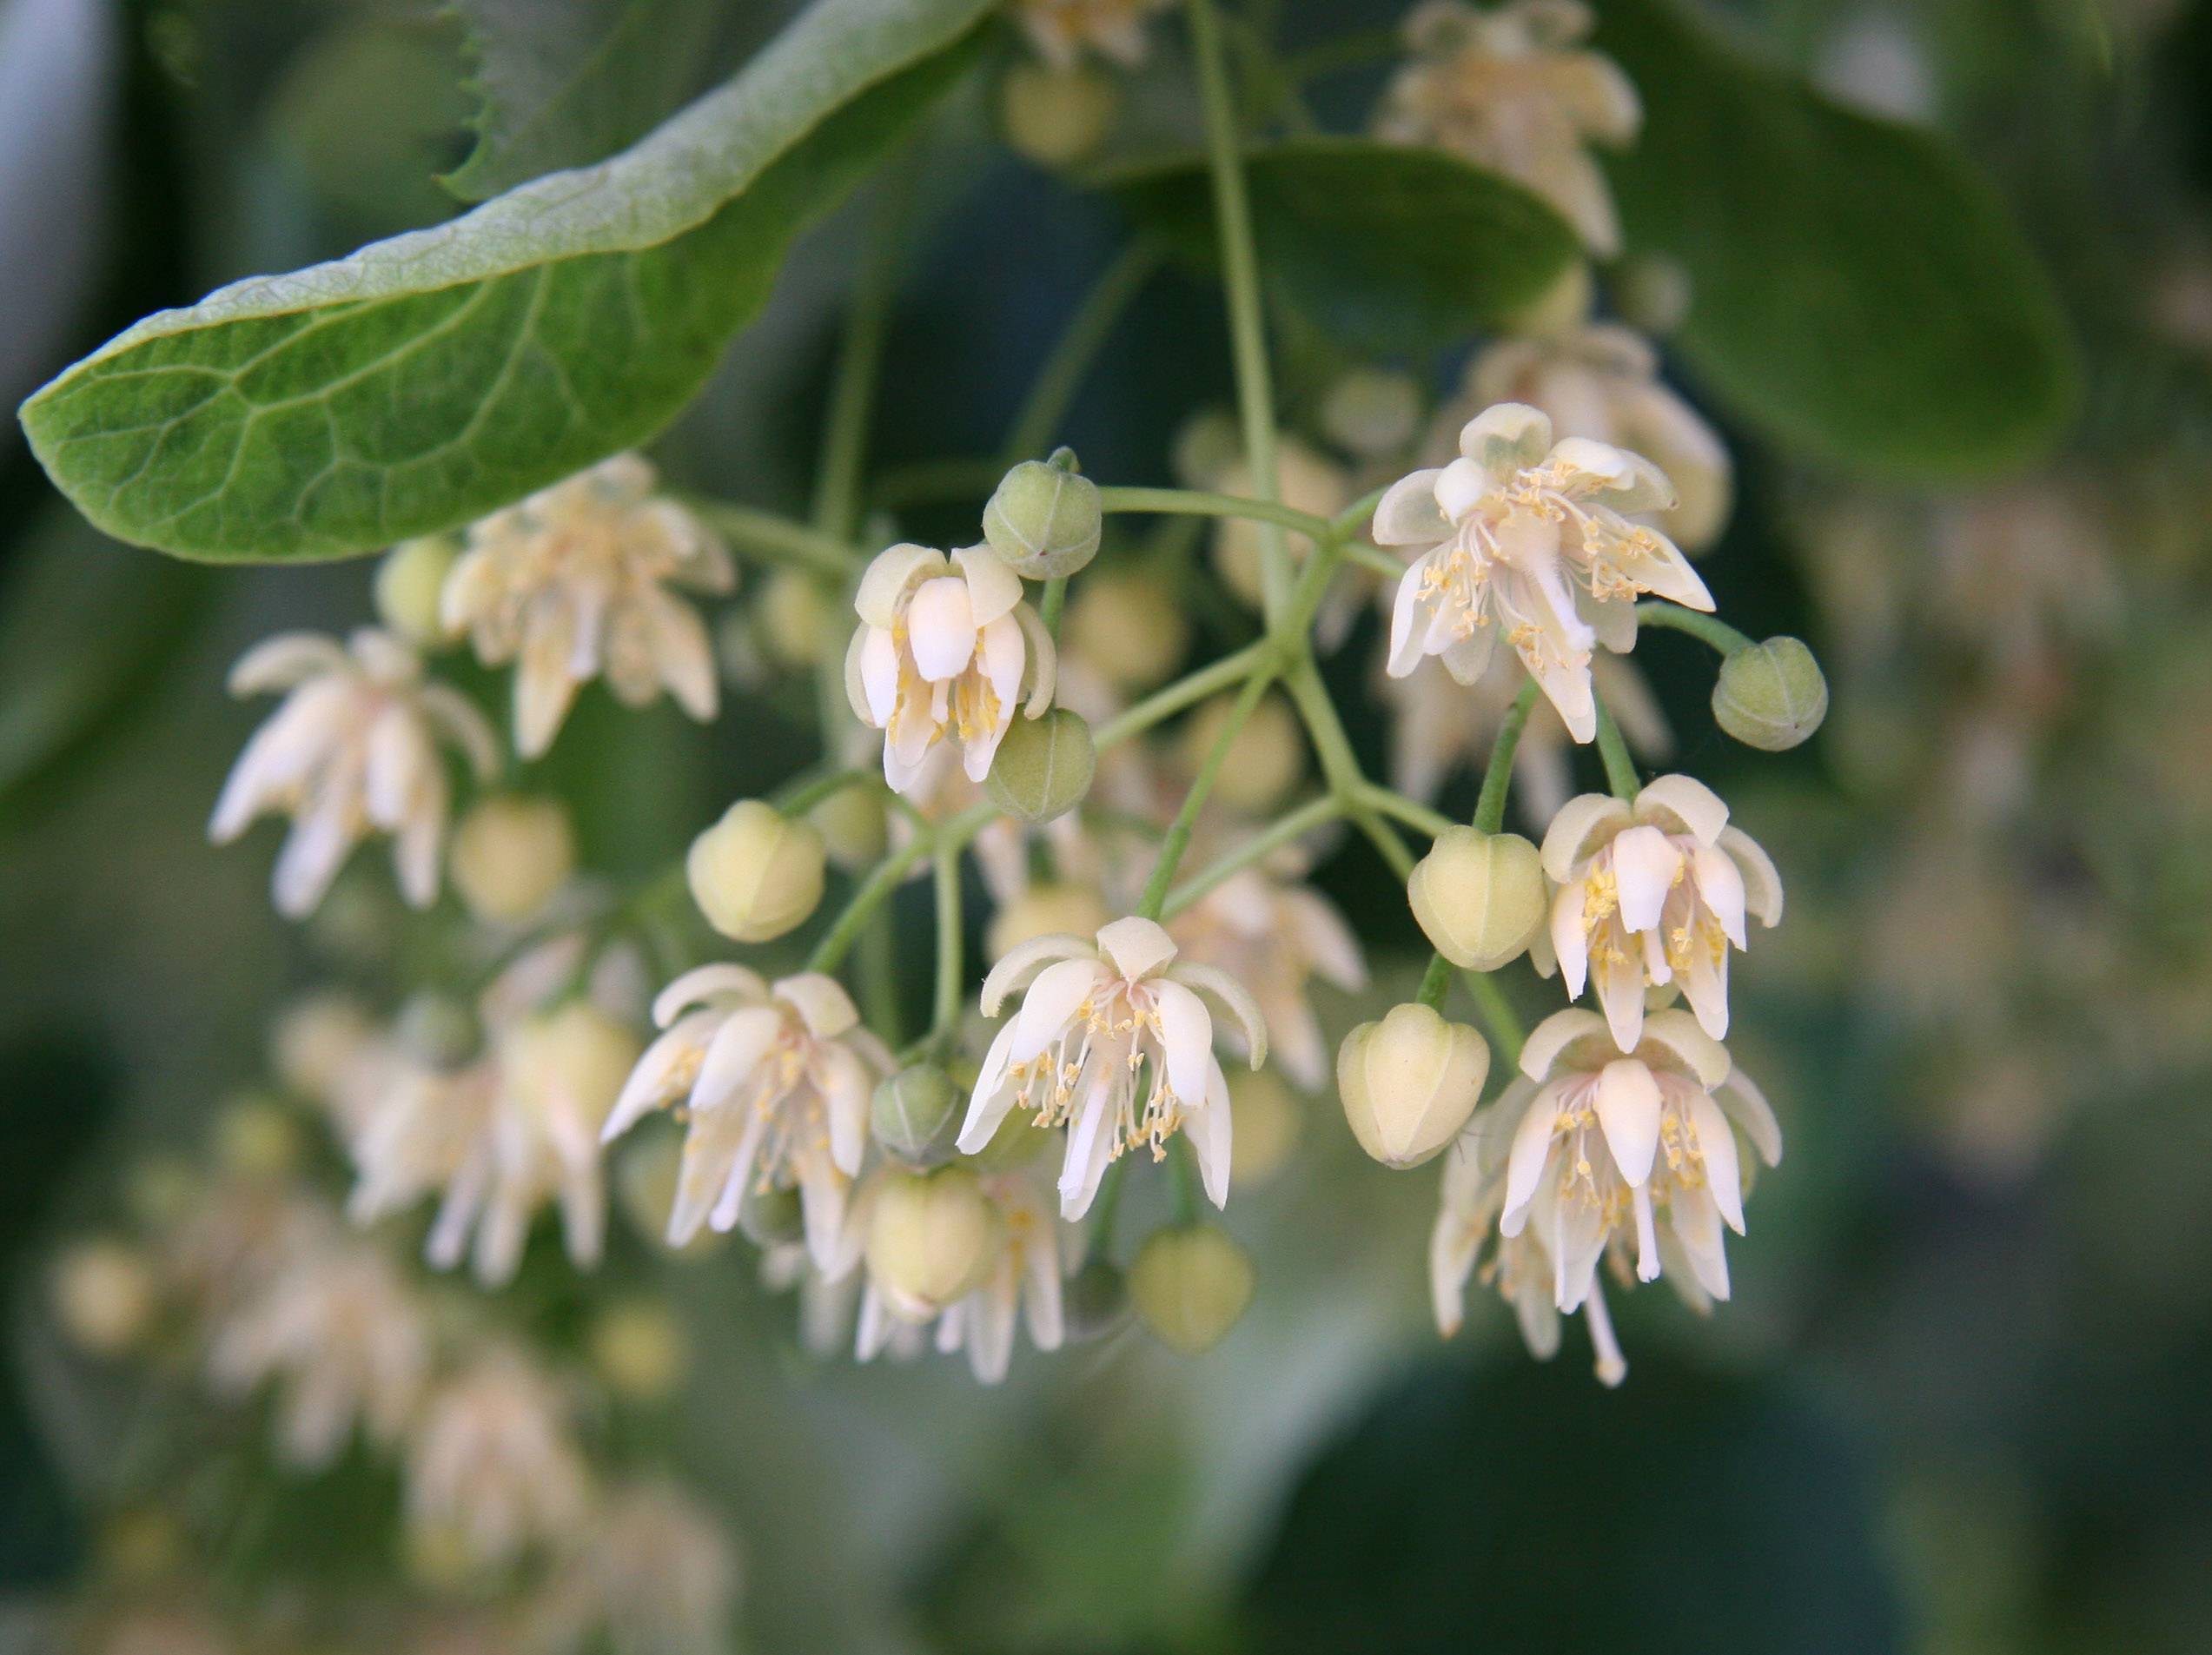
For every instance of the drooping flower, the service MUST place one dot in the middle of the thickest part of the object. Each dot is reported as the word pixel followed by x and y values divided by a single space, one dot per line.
pixel 1600 380
pixel 653 1574
pixel 1651 893
pixel 1022 1283
pixel 945 648
pixel 1511 89
pixel 1596 1154
pixel 354 750
pixel 492 1466
pixel 774 1082
pixel 1097 1024
pixel 1061 30
pixel 1528 539
pixel 334 1326
pixel 582 579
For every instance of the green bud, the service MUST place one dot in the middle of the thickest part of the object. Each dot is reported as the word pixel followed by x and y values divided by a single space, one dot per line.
pixel 1771 696
pixel 1095 1302
pixel 931 1238
pixel 410 586
pixel 1044 519
pixel 1480 897
pixel 1189 1284
pixel 1409 1082
pixel 772 1217
pixel 1043 766
pixel 440 1029
pixel 853 825
pixel 756 874
pixel 916 1115
pixel 1057 117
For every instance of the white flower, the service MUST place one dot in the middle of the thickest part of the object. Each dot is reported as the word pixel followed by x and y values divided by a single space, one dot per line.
pixel 576 582
pixel 1023 1284
pixel 944 649
pixel 1507 89
pixel 1274 936
pixel 1093 1019
pixel 336 1324
pixel 775 1080
pixel 492 1465
pixel 352 751
pixel 1588 1156
pixel 1600 380
pixel 655 1574
pixel 1653 893
pixel 1528 538
pixel 1061 30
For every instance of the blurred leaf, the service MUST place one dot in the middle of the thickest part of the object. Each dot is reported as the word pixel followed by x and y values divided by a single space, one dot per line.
pixel 1529 1510
pixel 426 380
pixel 1859 290
pixel 562 83
pixel 1386 246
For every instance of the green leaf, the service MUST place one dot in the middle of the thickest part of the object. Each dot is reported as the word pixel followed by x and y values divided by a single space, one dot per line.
pixel 1859 290
pixel 428 378
pixel 1386 246
pixel 562 83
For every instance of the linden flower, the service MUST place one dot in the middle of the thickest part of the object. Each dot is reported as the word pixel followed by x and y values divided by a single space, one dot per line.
pixel 1092 1020
pixel 1023 1284
pixel 944 648
pixel 1507 89
pixel 336 1327
pixel 774 1081
pixel 1653 893
pixel 1603 1148
pixel 1061 30
pixel 491 1465
pixel 575 581
pixel 1275 936
pixel 352 751
pixel 1600 380
pixel 655 1575
pixel 1528 538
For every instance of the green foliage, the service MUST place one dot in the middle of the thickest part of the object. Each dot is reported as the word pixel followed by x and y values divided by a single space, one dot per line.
pixel 428 378
pixel 562 83
pixel 1388 248
pixel 1859 291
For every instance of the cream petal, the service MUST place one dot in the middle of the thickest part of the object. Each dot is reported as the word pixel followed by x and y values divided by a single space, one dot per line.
pixel 993 587
pixel 1762 881
pixel 314 851
pixel 1050 1010
pixel 1580 830
pixel 287 660
pixel 821 1201
pixel 888 575
pixel 820 1001
pixel 1209 1129
pixel 1628 1110
pixel 735 1055
pixel 1645 864
pixel 1024 961
pixel 652 1083
pixel 1407 633
pixel 1578 1241
pixel 1452 1244
pixel 1041 1296
pixel 941 628
pixel 1553 1036
pixel 1407 513
pixel 1524 1164
pixel 1619 985
pixel 879 676
pixel 1506 438
pixel 1138 947
pixel 1647 1250
pixel 1234 998
pixel 1695 1220
pixel 704 983
pixel 846 1086
pixel 295 739
pixel 1459 488
pixel 1090 1147
pixel 1186 1039
pixel 992 1100
pixel 1468 658
pixel 1570 938
pixel 1720 888
pixel 1717 1145
pixel 1677 1041
pixel 1746 1105
pixel 1682 804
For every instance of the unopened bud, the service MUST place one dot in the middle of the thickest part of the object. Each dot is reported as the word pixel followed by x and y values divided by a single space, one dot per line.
pixel 409 587
pixel 1562 306
pixel 1045 910
pixel 573 1059
pixel 1479 897
pixel 772 1216
pixel 755 874
pixel 1265 761
pixel 1125 627
pixel 930 1241
pixel 638 1348
pixel 1095 1302
pixel 853 825
pixel 1409 1082
pixel 257 1137
pixel 1189 1284
pixel 510 854
pixel 1045 518
pixel 798 620
pixel 1266 1124
pixel 1372 411
pixel 916 1115
pixel 103 1295
pixel 1055 116
pixel 317 1041
pixel 1771 696
pixel 1043 766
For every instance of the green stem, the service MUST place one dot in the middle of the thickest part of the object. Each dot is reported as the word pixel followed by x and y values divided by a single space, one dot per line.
pixel 1178 837
pixel 1056 599
pixel 1241 279
pixel 800 797
pixel 1434 982
pixel 1620 769
pixel 1053 389
pixel 888 874
pixel 1374 560
pixel 1192 502
pixel 777 539
pixel 1185 1162
pixel 945 1016
pixel 1411 811
pixel 852 393
pixel 878 973
pixel 1498 779
pixel 1714 630
pixel 1299 823
pixel 1505 1026
pixel 1353 517
pixel 1163 705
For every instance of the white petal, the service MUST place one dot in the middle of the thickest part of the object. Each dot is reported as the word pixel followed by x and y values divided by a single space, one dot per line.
pixel 704 983
pixel 993 587
pixel 1720 888
pixel 1050 1007
pixel 1747 1106
pixel 1509 437
pixel 1675 1034
pixel 989 1103
pixel 1645 864
pixel 821 1002
pixel 941 628
pixel 1553 1035
pixel 1138 947
pixel 1026 960
pixel 1459 488
pixel 1407 636
pixel 1584 824
pixel 890 572
pixel 1570 939
pixel 1628 1110
pixel 1762 882
pixel 735 1054
pixel 1407 514
pixel 287 660
pixel 1210 1131
pixel 1717 1144
pixel 1682 804
pixel 1234 998
pixel 1186 1039
pixel 1525 1165
pixel 878 675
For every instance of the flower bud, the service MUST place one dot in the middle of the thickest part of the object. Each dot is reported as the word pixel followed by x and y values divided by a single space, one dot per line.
pixel 510 854
pixel 930 1241
pixel 755 874
pixel 573 1058
pixel 1372 411
pixel 1480 897
pixel 1264 763
pixel 1044 518
pixel 1125 627
pixel 916 1115
pixel 409 587
pixel 1095 1302
pixel 1771 696
pixel 257 1137
pixel 1563 305
pixel 1045 910
pixel 853 825
pixel 1055 116
pixel 798 621
pixel 638 1348
pixel 316 1042
pixel 1266 1124
pixel 103 1295
pixel 1409 1082
pixel 1189 1284
pixel 1043 766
